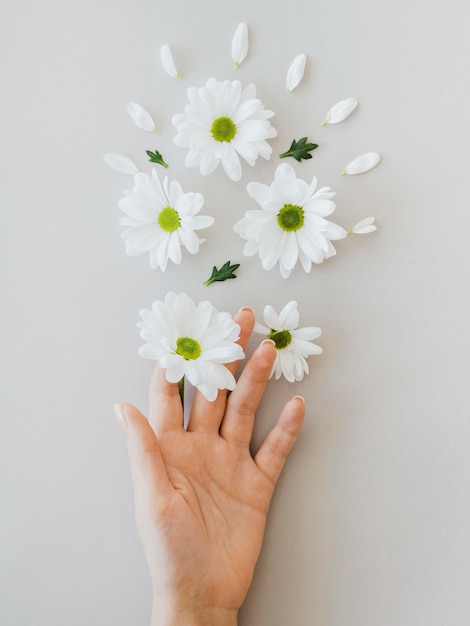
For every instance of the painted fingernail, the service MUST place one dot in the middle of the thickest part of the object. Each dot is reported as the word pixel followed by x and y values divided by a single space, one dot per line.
pixel 268 342
pixel 120 415
pixel 299 398
pixel 246 308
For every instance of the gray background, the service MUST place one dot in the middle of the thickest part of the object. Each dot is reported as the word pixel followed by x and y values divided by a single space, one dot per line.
pixel 370 521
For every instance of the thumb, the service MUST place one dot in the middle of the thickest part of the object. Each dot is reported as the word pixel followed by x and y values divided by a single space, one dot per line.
pixel 149 475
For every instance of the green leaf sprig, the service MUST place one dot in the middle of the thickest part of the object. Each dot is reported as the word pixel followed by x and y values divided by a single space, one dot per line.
pixel 225 272
pixel 300 150
pixel 156 157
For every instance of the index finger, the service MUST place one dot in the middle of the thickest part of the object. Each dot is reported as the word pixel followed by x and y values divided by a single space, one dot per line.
pixel 165 408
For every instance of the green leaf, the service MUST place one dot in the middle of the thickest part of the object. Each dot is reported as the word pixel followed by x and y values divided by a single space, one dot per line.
pixel 225 272
pixel 156 157
pixel 300 150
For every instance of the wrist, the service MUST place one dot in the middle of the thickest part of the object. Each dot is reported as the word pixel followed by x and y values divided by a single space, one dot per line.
pixel 165 613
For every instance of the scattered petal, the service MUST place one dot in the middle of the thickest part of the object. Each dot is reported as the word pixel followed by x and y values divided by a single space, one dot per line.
pixel 168 62
pixel 121 163
pixel 340 111
pixel 363 227
pixel 240 44
pixel 141 117
pixel 362 163
pixel 296 72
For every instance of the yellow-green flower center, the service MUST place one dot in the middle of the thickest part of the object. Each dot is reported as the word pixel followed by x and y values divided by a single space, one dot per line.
pixel 223 129
pixel 188 348
pixel 291 217
pixel 168 219
pixel 282 338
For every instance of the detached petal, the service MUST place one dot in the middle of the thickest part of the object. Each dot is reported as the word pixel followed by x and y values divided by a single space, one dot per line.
pixel 296 72
pixel 240 44
pixel 167 61
pixel 364 227
pixel 340 111
pixel 121 163
pixel 141 117
pixel 362 163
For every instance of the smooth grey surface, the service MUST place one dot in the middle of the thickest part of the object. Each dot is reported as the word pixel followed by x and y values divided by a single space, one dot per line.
pixel 369 525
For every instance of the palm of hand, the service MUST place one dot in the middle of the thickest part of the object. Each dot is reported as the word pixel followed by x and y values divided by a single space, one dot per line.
pixel 216 516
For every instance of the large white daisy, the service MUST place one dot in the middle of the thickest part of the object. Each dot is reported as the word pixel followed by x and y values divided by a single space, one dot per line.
pixel 221 123
pixel 291 224
pixel 192 341
pixel 161 219
pixel 293 344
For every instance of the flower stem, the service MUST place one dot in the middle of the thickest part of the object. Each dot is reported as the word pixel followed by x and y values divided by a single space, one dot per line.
pixel 181 389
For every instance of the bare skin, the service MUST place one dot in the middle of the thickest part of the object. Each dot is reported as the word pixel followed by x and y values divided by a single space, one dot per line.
pixel 201 499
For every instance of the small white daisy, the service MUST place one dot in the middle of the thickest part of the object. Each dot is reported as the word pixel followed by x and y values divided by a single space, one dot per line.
pixel 221 123
pixel 293 344
pixel 291 224
pixel 191 341
pixel 161 219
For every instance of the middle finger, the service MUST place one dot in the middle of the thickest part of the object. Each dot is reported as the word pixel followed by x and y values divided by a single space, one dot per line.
pixel 206 416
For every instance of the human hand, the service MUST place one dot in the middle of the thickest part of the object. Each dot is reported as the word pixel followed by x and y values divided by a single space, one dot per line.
pixel 201 499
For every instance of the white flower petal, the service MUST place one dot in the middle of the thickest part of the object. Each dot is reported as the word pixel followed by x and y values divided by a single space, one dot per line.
pixel 296 72
pixel 259 328
pixel 141 117
pixel 362 163
pixel 307 333
pixel 289 316
pixel 168 62
pixel 340 111
pixel 121 163
pixel 231 165
pixel 240 44
pixel 364 227
pixel 271 317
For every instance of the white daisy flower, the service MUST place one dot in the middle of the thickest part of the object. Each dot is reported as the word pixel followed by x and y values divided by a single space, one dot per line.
pixel 221 123
pixel 293 344
pixel 191 341
pixel 291 224
pixel 161 219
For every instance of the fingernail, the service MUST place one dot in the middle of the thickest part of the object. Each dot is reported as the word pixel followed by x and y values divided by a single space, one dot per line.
pixel 299 398
pixel 246 308
pixel 268 342
pixel 120 415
